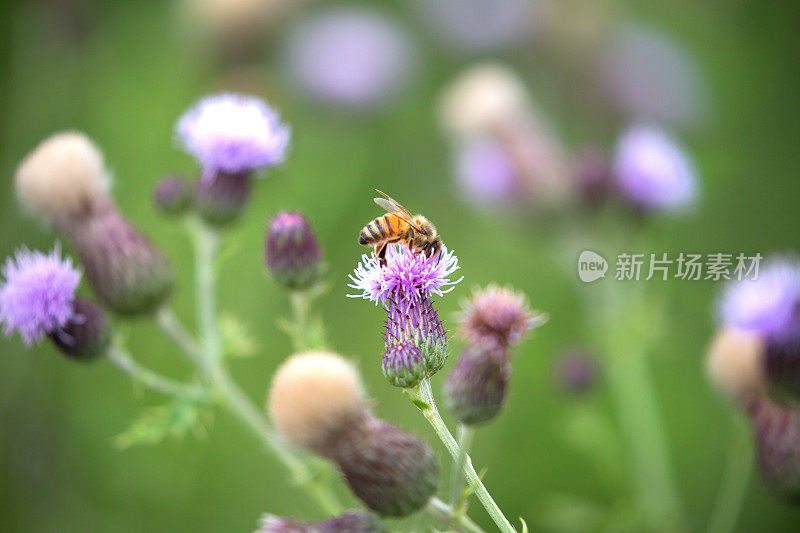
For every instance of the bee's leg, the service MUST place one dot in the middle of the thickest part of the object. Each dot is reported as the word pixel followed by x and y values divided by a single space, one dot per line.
pixel 380 253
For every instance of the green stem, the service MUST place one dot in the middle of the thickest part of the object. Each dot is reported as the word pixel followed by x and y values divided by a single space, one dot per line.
pixel 734 482
pixel 300 302
pixel 170 324
pixel 155 381
pixel 451 517
pixel 465 434
pixel 422 395
pixel 206 241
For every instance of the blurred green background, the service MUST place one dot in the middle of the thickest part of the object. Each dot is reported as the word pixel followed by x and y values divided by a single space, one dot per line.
pixel 135 72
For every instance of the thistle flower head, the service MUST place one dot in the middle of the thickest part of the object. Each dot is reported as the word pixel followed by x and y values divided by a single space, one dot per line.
pixel 313 396
pixel 354 58
pixel 62 177
pixel 653 172
pixel 233 133
pixel 498 317
pixel 768 305
pixel 292 253
pixel 37 294
pixel 415 339
pixel 349 522
pixel 406 279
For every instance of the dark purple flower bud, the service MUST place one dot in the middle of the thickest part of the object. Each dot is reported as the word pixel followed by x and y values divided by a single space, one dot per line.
pixel 782 366
pixel 594 179
pixel 349 522
pixel 577 371
pixel 172 195
pixel 777 436
pixel 477 387
pixel 415 339
pixel 292 253
pixel 127 272
pixel 220 197
pixel 87 333
pixel 393 472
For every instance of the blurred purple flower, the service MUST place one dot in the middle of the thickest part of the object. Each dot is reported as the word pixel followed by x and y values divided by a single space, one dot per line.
pixel 233 133
pixel 478 25
pixel 37 295
pixel 485 172
pixel 354 58
pixel 768 305
pixel 648 75
pixel 498 317
pixel 653 172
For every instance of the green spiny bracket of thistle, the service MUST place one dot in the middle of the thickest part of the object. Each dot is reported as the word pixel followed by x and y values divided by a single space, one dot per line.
pixel 231 136
pixel 64 180
pixel 349 522
pixel 493 321
pixel 757 348
pixel 317 403
pixel 415 340
pixel 37 299
pixel 292 253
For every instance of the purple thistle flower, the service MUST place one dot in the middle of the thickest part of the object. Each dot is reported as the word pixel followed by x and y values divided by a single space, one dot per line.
pixel 37 295
pixel 768 305
pixel 354 58
pixel 233 133
pixel 653 172
pixel 486 173
pixel 415 338
pixel 498 317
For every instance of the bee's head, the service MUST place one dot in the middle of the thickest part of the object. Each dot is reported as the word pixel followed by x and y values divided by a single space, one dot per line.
pixel 428 229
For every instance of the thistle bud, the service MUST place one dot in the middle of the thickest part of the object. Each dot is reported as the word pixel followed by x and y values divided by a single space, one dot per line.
pixel 127 272
pixel 777 437
pixel 403 365
pixel 292 253
pixel 172 195
pixel 221 197
pixel 593 175
pixel 782 365
pixel 349 522
pixel 735 364
pixel 577 371
pixel 477 387
pixel 87 333
pixel 316 402
pixel 393 472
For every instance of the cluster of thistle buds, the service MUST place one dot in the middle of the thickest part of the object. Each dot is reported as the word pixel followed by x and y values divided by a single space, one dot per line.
pixel 493 321
pixel 755 361
pixel 316 402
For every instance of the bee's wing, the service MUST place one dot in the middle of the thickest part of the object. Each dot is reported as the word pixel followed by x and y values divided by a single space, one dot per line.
pixel 390 205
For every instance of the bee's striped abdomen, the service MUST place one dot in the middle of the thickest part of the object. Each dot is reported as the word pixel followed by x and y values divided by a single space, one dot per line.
pixel 380 229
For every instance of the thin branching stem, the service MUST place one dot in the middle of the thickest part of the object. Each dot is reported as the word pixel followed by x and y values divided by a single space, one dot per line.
pixel 732 489
pixel 152 380
pixel 465 434
pixel 422 395
pixel 451 517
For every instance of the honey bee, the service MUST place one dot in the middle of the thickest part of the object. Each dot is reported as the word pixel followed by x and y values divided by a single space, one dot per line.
pixel 399 225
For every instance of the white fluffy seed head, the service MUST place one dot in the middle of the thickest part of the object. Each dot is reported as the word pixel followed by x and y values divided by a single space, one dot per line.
pixel 485 98
pixel 735 363
pixel 312 395
pixel 62 176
